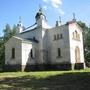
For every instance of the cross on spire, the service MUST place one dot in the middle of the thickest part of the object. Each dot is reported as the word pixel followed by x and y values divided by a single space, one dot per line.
pixel 60 18
pixel 40 8
pixel 19 19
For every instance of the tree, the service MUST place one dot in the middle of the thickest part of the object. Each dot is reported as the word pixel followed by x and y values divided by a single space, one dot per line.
pixel 1 52
pixel 86 40
pixel 8 33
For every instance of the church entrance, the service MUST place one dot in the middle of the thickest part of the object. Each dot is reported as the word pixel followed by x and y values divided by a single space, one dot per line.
pixel 77 55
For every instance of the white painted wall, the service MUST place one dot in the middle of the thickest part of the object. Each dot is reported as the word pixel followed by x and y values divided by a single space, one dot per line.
pixel 63 44
pixel 26 55
pixel 74 43
pixel 13 43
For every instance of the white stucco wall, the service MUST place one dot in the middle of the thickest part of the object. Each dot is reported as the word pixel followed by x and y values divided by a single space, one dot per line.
pixel 26 53
pixel 63 44
pixel 75 43
pixel 13 43
pixel 26 49
pixel 22 52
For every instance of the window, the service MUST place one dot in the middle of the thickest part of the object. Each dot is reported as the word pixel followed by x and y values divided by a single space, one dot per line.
pixel 13 53
pixel 61 36
pixel 34 38
pixel 58 36
pixel 31 53
pixel 54 37
pixel 77 55
pixel 59 52
pixel 76 35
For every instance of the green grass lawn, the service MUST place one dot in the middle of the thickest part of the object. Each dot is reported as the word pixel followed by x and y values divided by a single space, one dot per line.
pixel 46 80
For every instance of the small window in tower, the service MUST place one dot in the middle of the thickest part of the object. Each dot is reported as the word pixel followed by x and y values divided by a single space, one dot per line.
pixel 13 53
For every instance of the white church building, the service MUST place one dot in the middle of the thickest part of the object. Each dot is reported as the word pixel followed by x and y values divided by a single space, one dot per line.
pixel 45 48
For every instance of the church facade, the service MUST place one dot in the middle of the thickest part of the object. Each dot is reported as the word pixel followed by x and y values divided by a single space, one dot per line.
pixel 45 48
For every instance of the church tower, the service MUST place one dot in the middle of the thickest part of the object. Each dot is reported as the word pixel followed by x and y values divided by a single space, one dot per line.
pixel 41 19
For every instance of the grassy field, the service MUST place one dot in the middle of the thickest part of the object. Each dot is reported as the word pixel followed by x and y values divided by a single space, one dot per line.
pixel 46 80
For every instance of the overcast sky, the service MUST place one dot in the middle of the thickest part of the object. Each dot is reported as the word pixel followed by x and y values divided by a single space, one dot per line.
pixel 10 10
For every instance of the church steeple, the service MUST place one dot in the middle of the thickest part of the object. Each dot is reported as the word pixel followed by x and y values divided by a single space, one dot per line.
pixel 39 13
pixel 40 17
pixel 20 22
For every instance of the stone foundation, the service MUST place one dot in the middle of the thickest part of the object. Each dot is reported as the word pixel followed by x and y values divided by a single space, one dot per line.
pixel 79 66
pixel 43 67
pixel 12 68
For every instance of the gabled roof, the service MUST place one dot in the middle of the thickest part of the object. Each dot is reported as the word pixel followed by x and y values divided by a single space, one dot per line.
pixel 29 30
pixel 27 39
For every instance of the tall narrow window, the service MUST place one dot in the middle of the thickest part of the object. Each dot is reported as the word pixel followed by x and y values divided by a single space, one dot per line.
pixel 59 52
pixel 61 36
pixel 77 55
pixel 75 34
pixel 58 36
pixel 13 53
pixel 31 53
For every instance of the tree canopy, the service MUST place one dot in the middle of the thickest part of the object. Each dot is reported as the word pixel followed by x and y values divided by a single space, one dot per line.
pixel 86 40
pixel 8 32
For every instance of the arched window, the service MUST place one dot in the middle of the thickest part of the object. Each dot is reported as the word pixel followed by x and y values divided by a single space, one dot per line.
pixel 77 55
pixel 76 35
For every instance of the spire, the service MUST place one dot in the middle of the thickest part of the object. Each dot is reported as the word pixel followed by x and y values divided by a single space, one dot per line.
pixel 40 8
pixel 20 21
pixel 19 26
pixel 60 20
pixel 58 23
pixel 74 18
